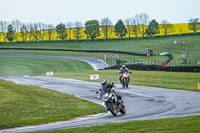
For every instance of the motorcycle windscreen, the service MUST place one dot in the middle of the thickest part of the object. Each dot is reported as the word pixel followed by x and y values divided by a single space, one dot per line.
pixel 105 90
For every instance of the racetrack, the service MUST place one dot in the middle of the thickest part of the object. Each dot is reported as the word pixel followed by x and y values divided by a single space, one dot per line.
pixel 142 103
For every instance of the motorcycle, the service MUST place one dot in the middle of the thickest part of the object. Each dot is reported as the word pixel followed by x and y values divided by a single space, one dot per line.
pixel 112 101
pixel 125 79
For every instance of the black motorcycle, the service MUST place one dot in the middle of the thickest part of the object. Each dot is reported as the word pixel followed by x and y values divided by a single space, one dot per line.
pixel 112 101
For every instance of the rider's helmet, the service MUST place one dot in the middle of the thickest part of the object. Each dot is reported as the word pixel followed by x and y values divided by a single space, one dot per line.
pixel 123 66
pixel 104 82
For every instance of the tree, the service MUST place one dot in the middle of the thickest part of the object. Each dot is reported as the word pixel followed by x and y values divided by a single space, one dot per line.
pixel 194 24
pixel 50 30
pixel 24 32
pixel 166 27
pixel 78 30
pixel 106 26
pixel 10 34
pixel 69 27
pixel 153 28
pixel 31 30
pixel 16 27
pixel 142 19
pixel 36 32
pixel 3 29
pixel 128 26
pixel 135 27
pixel 120 29
pixel 42 30
pixel 61 30
pixel 92 29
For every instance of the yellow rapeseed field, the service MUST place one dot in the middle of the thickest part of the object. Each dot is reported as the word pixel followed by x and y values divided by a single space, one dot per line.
pixel 179 28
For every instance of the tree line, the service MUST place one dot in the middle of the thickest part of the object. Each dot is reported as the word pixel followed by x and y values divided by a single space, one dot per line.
pixel 139 24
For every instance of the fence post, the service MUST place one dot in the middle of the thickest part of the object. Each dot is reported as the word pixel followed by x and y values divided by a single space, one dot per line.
pixel 198 86
pixel 195 61
pixel 105 59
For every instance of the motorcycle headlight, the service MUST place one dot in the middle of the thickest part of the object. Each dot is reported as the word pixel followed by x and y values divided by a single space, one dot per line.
pixel 125 75
pixel 105 95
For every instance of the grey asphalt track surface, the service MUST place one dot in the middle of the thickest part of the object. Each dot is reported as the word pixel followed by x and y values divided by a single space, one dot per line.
pixel 142 103
pixel 95 63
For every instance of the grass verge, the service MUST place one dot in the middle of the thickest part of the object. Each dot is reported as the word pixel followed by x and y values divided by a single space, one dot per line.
pixel 188 124
pixel 18 66
pixel 171 80
pixel 191 46
pixel 129 58
pixel 22 105
pixel 159 44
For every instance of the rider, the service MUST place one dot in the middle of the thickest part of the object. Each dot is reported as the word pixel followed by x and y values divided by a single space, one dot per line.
pixel 106 87
pixel 122 70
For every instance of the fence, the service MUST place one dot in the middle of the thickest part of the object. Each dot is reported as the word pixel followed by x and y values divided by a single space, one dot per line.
pixel 119 47
pixel 173 62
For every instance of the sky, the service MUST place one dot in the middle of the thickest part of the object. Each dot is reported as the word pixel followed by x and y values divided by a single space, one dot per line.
pixel 57 11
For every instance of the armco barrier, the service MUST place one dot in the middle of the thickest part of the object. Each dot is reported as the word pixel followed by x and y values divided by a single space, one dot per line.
pixel 159 68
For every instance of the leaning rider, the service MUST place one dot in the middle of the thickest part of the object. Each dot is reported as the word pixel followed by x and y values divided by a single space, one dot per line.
pixel 106 87
pixel 122 70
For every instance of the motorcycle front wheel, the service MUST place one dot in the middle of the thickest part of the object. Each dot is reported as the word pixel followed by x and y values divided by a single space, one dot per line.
pixel 126 83
pixel 123 83
pixel 113 109
pixel 122 109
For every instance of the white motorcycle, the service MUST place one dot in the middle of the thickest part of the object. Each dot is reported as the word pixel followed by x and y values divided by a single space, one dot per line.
pixel 125 79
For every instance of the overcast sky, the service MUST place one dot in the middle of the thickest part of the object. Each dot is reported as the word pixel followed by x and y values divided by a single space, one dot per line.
pixel 56 11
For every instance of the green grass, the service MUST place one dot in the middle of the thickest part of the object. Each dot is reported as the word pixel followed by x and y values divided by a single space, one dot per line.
pixel 22 105
pixel 171 80
pixel 62 53
pixel 129 58
pixel 191 42
pixel 18 66
pixel 192 45
pixel 188 124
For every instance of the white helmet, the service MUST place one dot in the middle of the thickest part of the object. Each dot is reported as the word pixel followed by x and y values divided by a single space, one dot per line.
pixel 123 66
pixel 103 82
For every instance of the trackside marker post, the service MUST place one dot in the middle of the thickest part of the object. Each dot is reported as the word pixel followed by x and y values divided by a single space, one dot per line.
pixel 49 73
pixel 164 64
pixel 94 77
pixel 198 86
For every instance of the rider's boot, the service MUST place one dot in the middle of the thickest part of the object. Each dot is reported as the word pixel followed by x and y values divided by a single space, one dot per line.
pixel 120 79
pixel 119 100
